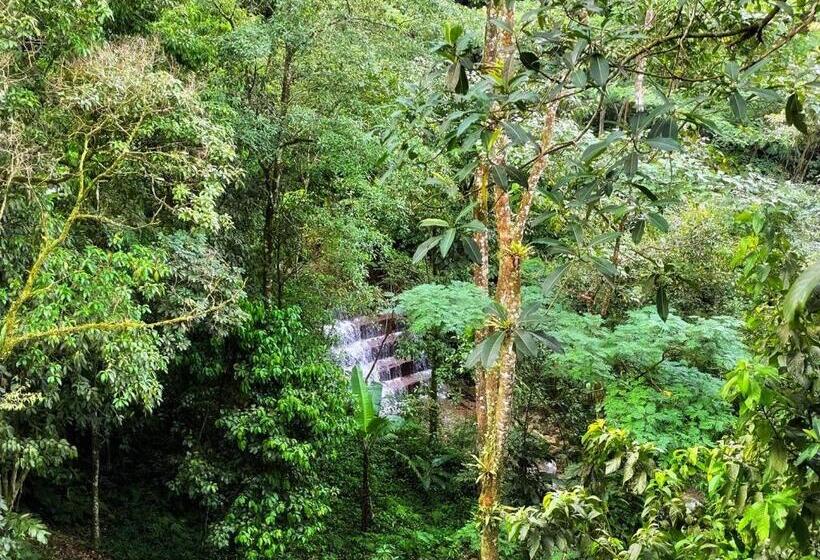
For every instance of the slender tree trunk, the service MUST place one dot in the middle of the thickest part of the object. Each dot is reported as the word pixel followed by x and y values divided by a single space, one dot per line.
pixel 11 485
pixel 616 259
pixel 267 232
pixel 367 507
pixel 273 184
pixel 95 484
pixel 640 90
pixel 434 412
pixel 481 278
pixel 804 160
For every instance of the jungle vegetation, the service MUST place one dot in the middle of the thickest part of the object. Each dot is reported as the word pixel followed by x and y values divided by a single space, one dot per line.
pixel 592 223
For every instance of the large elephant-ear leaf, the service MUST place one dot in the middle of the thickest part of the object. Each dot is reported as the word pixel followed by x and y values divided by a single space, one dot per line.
pixel 365 411
pixel 801 292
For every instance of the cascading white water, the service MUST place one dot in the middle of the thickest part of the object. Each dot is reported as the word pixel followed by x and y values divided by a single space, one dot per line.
pixel 349 350
pixel 370 344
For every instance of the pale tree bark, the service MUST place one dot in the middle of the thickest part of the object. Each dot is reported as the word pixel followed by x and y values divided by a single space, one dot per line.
pixel 11 484
pixel 481 278
pixel 640 71
pixel 95 483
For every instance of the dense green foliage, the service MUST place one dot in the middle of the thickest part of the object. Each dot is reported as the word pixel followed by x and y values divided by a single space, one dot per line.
pixel 193 192
pixel 255 464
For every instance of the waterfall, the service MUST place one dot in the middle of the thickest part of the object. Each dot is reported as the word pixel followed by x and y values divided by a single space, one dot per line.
pixel 370 343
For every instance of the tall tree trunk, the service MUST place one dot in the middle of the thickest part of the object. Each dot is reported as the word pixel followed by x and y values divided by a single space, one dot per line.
pixel 609 292
pixel 367 509
pixel 481 278
pixel 500 377
pixel 433 412
pixel 640 90
pixel 273 185
pixel 267 232
pixel 494 387
pixel 95 484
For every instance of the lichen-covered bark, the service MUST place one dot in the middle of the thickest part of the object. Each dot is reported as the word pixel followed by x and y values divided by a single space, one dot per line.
pixel 494 387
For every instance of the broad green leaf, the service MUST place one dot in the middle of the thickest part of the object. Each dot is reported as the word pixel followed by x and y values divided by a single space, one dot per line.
pixel 434 222
pixel 467 122
pixel 666 127
pixel 498 174
pixel 794 113
pixel 737 103
pixel 492 348
pixel 516 175
pixel 808 453
pixel 800 292
pixel 516 133
pixel 658 221
pixel 604 238
pixel 578 233
pixel 474 225
pixel 599 70
pixel 424 248
pixel 593 151
pixel 472 250
pixel 631 164
pixel 364 409
pixel 765 94
pixel 605 266
pixel 489 138
pixel 552 278
pixel 637 230
pixel 526 344
pixel 447 241
pixel 639 121
pixel 452 32
pixel 732 70
pixel 530 60
pixel 464 211
pixel 665 144
pixel 457 78
pixel 649 194
pixel 579 78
